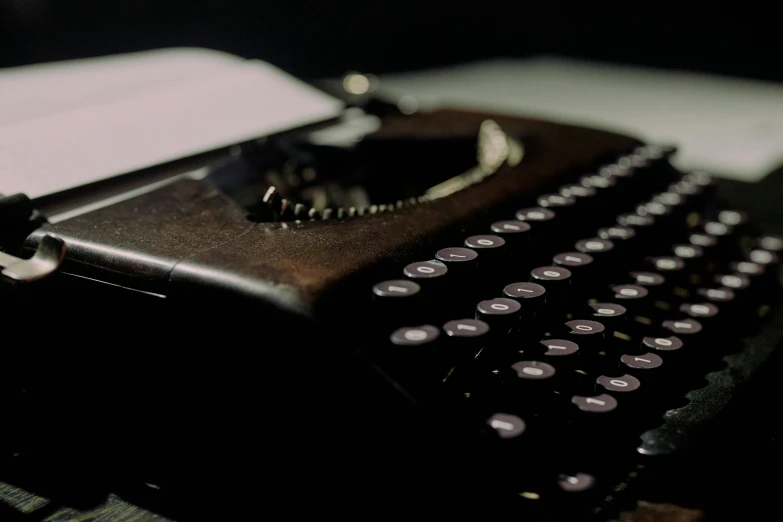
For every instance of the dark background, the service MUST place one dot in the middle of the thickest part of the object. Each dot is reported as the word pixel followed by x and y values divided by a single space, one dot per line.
pixel 322 38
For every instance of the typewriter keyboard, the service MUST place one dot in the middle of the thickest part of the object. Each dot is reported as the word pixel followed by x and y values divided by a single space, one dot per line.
pixel 567 329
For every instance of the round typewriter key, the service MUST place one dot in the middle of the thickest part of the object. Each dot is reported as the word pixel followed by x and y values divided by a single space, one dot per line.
pixel 555 201
pixel 456 255
pixel 521 291
pixel 460 261
pixel 533 370
pixel 535 214
pixel 576 483
pixel 500 313
pixel 589 335
pixel 747 268
pixel 683 326
pixel 485 242
pixel 510 228
pixel 598 182
pixel 717 295
pixel 764 257
pixel 397 288
pixel 415 335
pixel 466 328
pixel 625 384
pixel 699 310
pixel 467 336
pixel 608 311
pixel 555 279
pixel 585 327
pixel 581 266
pixel 506 426
pixel 425 270
pixel 594 245
pixel 616 233
pixel 734 281
pixel 705 241
pixel 732 218
pixel 629 292
pixel 648 279
pixel 688 251
pixel 577 191
pixel 599 404
pixel 559 347
pixel 635 221
pixel 771 243
pixel 667 264
pixel 646 365
pixel 671 343
pixel 572 259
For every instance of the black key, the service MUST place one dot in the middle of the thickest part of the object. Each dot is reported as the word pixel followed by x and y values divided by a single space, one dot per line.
pixel 720 295
pixel 415 335
pixel 466 338
pixel 594 246
pixel 735 281
pixel 397 300
pixel 551 278
pixel 589 335
pixel 624 239
pixel 491 259
pixel 735 219
pixel 490 246
pixel 597 405
pixel 645 229
pixel 426 270
pixel 542 222
pixel 561 353
pixel 683 326
pixel 460 261
pixel 422 345
pixel 706 313
pixel 645 367
pixel 582 268
pixel 671 346
pixel 578 191
pixel 516 234
pixel 771 244
pixel 663 214
pixel 615 319
pixel 673 269
pixel 696 264
pixel 556 202
pixel 764 257
pixel 624 388
pixel 531 296
pixel 727 247
pixel 638 305
pixel 748 268
pixel 534 384
pixel 575 484
pixel 500 313
pixel 506 426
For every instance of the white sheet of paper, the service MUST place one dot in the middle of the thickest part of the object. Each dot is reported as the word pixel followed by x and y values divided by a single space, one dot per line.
pixel 67 124
pixel 729 126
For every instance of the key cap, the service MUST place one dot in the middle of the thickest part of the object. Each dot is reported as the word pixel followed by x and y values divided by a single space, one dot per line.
pixel 737 220
pixel 531 296
pixel 500 313
pixel 706 313
pixel 734 281
pixel 696 265
pixel 614 318
pixel 672 268
pixel 542 222
pixel 532 385
pixel 644 227
pixel 397 300
pixel 557 282
pixel 506 426
pixel 771 244
pixel 624 388
pixel 598 405
pixel 645 367
pixel 422 345
pixel 459 261
pixel 423 271
pixel 639 308
pixel 727 246
pixel 466 338
pixel 681 327
pixel 490 246
pixel 589 335
pixel 583 270
pixel 671 347
pixel 515 233
pixel 623 238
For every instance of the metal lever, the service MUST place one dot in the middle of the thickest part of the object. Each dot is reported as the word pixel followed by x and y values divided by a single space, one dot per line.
pixel 47 259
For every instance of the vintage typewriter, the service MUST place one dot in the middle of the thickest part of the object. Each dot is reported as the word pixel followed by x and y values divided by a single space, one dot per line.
pixel 461 311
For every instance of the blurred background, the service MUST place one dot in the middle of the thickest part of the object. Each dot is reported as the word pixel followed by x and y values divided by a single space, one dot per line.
pixel 315 38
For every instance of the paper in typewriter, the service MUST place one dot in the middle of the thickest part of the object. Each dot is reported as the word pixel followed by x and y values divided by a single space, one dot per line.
pixel 67 124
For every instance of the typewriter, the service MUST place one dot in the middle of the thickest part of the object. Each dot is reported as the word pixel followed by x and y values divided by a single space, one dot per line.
pixel 459 313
